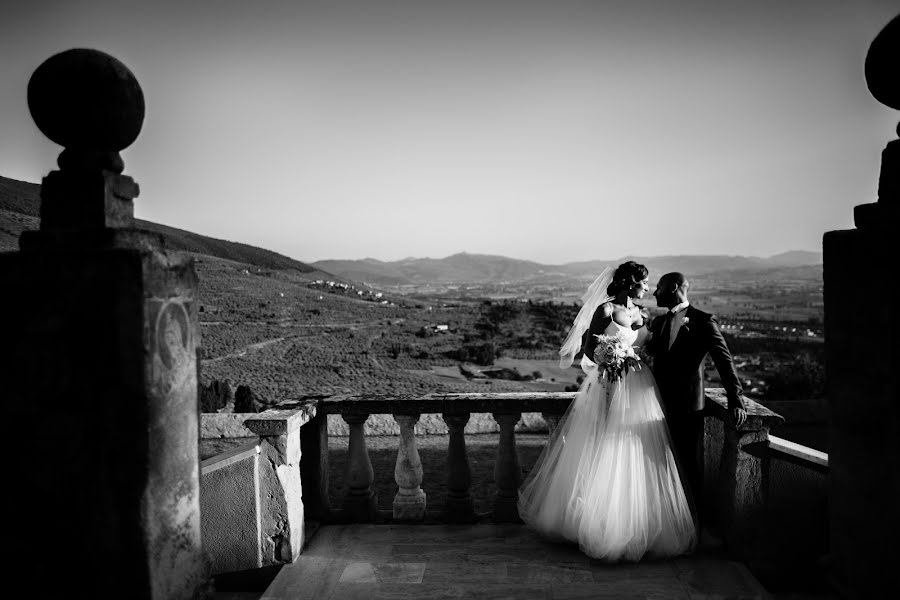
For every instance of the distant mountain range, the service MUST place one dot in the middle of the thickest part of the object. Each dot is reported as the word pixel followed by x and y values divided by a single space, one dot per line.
pixel 20 208
pixel 481 268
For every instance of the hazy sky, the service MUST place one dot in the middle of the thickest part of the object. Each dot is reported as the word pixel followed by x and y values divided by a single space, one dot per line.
pixel 552 131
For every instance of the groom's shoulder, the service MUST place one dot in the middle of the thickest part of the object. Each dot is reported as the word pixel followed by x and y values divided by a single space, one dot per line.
pixel 700 315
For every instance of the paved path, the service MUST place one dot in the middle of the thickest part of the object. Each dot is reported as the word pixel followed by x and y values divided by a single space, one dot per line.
pixel 489 561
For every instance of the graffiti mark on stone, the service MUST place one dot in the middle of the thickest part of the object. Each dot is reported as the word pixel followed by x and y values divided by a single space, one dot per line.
pixel 173 360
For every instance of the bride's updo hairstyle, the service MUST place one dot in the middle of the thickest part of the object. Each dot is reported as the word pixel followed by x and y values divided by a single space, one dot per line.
pixel 627 274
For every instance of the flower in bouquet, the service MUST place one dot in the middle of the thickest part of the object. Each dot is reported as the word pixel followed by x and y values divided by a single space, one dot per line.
pixel 615 356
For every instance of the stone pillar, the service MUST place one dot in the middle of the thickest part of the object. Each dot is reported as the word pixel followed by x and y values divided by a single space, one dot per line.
pixel 360 503
pixel 282 499
pixel 409 503
pixel 460 508
pixel 736 474
pixel 281 493
pixel 507 473
pixel 862 346
pixel 742 489
pixel 99 363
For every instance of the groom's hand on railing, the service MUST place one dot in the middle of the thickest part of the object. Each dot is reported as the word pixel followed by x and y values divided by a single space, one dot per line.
pixel 740 415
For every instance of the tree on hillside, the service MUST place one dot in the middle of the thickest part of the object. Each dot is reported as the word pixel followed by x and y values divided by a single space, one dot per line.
pixel 801 377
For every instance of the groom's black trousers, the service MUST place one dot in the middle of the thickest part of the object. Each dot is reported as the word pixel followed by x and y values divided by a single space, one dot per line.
pixel 686 429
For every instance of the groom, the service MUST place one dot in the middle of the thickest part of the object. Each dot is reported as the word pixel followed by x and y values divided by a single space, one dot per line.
pixel 680 341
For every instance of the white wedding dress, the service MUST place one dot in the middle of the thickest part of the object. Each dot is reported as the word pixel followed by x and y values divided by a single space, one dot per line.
pixel 607 478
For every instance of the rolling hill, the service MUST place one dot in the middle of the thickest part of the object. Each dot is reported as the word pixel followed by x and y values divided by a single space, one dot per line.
pixel 20 210
pixel 458 268
pixel 480 268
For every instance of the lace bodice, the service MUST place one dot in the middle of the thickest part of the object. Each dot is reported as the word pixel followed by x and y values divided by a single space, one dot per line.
pixel 627 333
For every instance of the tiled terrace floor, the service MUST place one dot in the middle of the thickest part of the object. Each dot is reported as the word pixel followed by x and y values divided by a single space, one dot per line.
pixel 489 561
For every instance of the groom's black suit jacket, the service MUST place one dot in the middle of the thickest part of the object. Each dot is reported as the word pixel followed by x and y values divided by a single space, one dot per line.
pixel 679 369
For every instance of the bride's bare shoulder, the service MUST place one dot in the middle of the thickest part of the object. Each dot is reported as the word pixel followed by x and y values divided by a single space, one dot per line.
pixel 605 309
pixel 603 312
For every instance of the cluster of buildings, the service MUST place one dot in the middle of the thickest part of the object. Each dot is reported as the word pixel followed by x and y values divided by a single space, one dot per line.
pixel 766 329
pixel 350 289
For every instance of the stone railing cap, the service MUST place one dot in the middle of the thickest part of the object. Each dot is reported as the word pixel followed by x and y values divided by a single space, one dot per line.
pixel 510 402
pixel 220 461
pixel 285 417
pixel 758 416
pixel 289 415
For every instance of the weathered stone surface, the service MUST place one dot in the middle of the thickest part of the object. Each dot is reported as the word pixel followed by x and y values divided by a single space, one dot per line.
pixel 172 503
pixel 507 473
pixel 114 330
pixel 381 423
pixel 102 332
pixel 215 425
pixel 409 503
pixel 758 416
pixel 360 502
pixel 78 200
pixel 460 507
pixel 433 424
pixel 510 402
pixel 491 561
pixel 796 519
pixel 735 482
pixel 281 498
pixel 230 510
pixel 286 417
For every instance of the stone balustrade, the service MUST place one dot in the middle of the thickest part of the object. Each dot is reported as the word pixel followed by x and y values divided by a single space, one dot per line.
pixel 292 489
pixel 733 475
pixel 410 503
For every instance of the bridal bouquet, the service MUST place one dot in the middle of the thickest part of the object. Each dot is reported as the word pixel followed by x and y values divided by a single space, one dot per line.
pixel 615 356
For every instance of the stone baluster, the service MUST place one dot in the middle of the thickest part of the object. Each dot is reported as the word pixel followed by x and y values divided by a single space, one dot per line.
pixel 507 473
pixel 552 420
pixel 409 503
pixel 360 503
pixel 459 507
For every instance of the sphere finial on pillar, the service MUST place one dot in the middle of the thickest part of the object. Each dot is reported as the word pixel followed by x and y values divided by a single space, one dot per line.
pixel 882 66
pixel 883 80
pixel 91 104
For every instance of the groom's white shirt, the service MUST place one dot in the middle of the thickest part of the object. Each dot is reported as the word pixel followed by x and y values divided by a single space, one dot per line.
pixel 679 307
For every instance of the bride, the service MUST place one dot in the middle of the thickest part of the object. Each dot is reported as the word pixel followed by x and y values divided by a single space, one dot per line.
pixel 607 478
